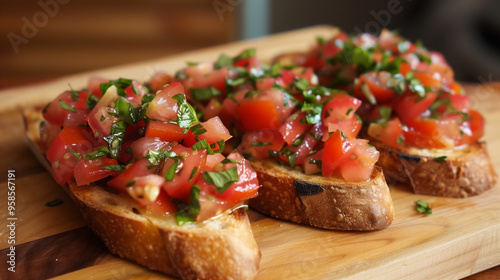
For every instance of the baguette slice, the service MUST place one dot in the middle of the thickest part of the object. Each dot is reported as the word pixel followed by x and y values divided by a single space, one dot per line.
pixel 328 203
pixel 457 173
pixel 219 248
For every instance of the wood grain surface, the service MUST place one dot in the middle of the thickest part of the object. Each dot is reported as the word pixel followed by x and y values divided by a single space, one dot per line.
pixel 460 238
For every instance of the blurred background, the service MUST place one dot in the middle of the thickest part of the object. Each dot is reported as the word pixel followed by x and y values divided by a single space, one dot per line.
pixel 45 39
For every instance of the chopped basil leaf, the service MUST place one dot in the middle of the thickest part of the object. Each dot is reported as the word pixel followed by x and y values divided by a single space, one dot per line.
pixel 222 179
pixel 198 129
pixel 299 140
pixel 186 115
pixel 416 86
pixel 169 175
pixel 352 54
pixel 291 160
pixel 313 112
pixel 385 114
pixel 121 84
pixel 193 172
pixel 76 155
pixel 317 162
pixel 252 93
pixel 397 83
pixel 227 160
pixel 203 144
pixel 201 94
pixel 349 111
pixel 320 40
pixel 301 84
pixel 102 118
pixel 75 94
pixel 187 212
pixel 235 82
pixel 423 207
pixel 147 98
pixel 400 140
pixel 275 69
pixel 130 183
pixel 45 108
pixel 423 58
pixel 222 61
pixel 190 63
pixel 155 156
pixel 114 167
pixel 248 53
pixel 66 106
pixel 126 112
pixel 440 159
pixel 97 153
pixel 115 138
pixel 91 101
pixel 260 144
pixel 181 75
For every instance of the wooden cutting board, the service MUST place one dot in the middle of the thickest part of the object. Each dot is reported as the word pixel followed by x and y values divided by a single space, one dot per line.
pixel 460 238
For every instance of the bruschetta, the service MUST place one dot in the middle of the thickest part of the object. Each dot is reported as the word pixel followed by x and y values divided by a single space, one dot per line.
pixel 414 112
pixel 155 196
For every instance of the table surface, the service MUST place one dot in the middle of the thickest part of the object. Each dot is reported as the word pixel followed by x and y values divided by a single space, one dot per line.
pixel 459 239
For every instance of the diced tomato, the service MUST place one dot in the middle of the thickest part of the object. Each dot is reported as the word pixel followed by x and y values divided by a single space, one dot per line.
pixel 336 151
pixel 185 171
pixel 340 107
pixel 294 128
pixel 135 130
pixel 259 115
pixel 140 147
pixel 389 133
pixel 259 143
pixel 99 119
pixel 94 85
pixel 377 85
pixel 55 113
pixel 306 146
pixel 472 129
pixel 431 133
pixel 428 79
pixel 71 143
pixel 458 101
pixel 146 189
pixel 410 106
pixel 126 177
pixel 216 131
pixel 213 109
pixel 282 102
pixel 164 107
pixel 245 188
pixel 135 92
pixel 360 164
pixel 210 207
pixel 313 163
pixel 159 80
pixel 213 160
pixel 81 102
pixel 163 204
pixel 92 170
pixel 350 127
pixel 48 133
pixel 168 132
pixel 248 63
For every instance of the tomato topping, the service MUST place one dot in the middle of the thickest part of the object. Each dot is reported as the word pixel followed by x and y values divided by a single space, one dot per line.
pixel 409 106
pixel 389 133
pixel 91 170
pixel 340 107
pixel 182 171
pixel 374 84
pixel 168 132
pixel 336 151
pixel 135 170
pixel 361 162
pixel 164 106
pixel 258 143
pixel 259 115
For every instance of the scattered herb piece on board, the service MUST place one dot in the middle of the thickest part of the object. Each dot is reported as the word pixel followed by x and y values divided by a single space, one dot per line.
pixel 54 203
pixel 423 207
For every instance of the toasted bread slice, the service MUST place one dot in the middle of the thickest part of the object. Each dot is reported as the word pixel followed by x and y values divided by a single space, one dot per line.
pixel 328 203
pixel 463 172
pixel 220 248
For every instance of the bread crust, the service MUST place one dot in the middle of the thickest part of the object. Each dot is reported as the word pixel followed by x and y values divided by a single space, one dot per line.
pixel 328 203
pixel 220 248
pixel 461 172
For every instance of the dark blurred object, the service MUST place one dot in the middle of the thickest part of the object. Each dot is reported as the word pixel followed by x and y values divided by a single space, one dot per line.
pixel 48 38
pixel 466 32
